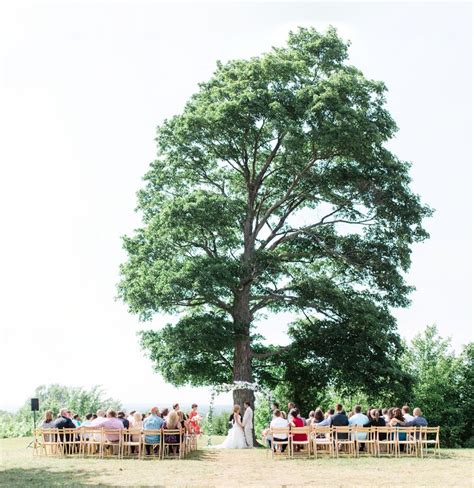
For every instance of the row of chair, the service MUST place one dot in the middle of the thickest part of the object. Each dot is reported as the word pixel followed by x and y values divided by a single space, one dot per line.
pixel 88 441
pixel 354 441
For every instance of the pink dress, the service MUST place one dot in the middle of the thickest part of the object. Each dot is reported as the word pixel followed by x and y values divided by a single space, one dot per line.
pixel 193 423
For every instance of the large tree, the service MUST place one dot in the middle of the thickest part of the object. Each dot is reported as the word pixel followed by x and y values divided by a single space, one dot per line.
pixel 274 191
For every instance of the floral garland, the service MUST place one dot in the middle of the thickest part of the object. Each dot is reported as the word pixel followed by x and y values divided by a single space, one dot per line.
pixel 226 388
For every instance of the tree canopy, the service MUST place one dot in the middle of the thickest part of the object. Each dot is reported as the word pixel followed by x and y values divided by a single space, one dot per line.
pixel 274 191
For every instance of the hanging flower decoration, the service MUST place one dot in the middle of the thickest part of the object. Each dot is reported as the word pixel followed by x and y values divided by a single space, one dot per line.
pixel 228 387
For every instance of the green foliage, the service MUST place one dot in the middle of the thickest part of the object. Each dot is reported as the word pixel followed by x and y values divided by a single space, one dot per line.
pixel 54 397
pixel 220 424
pixel 274 190
pixel 262 414
pixel 444 386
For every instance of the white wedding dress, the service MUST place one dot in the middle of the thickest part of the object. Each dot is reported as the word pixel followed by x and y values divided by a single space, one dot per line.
pixel 235 437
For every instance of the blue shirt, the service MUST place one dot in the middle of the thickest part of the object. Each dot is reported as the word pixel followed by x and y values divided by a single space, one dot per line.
pixel 153 422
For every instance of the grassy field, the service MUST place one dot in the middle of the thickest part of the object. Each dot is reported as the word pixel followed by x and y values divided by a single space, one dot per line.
pixel 229 468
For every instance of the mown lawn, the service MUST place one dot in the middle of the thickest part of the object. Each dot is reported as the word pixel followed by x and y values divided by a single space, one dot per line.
pixel 229 468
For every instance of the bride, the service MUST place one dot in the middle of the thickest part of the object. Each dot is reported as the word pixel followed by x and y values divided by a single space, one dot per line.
pixel 235 437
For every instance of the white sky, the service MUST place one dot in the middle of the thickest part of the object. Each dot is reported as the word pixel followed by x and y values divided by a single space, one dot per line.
pixel 83 86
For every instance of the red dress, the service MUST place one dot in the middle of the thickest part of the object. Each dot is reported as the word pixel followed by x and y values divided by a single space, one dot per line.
pixel 298 423
pixel 193 423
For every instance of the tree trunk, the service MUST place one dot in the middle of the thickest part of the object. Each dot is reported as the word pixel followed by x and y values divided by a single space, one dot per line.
pixel 243 353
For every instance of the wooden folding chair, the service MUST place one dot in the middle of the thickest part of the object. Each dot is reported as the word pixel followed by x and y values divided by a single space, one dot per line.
pixel 277 444
pixel 172 444
pixel 305 443
pixel 364 437
pixel 92 441
pixel 50 442
pixel 342 437
pixel 385 440
pixel 112 439
pixel 131 443
pixel 406 437
pixel 152 438
pixel 71 441
pixel 429 437
pixel 37 442
pixel 322 438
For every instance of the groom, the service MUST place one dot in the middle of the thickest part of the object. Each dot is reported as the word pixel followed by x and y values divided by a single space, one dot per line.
pixel 248 424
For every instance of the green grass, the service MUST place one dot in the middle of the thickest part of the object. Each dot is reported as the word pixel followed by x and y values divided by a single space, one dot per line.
pixel 228 468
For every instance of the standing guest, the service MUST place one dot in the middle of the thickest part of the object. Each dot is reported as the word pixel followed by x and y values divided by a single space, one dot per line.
pixel 278 422
pixel 153 422
pixel 297 421
pixel 406 413
pixel 194 419
pixel 125 422
pixel 418 419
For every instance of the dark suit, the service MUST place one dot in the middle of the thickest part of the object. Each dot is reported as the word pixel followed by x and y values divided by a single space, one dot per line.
pixel 340 420
pixel 64 423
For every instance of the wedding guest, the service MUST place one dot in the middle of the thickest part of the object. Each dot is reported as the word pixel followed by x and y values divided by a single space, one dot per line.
pixel 418 419
pixel 125 422
pixel 406 413
pixel 112 423
pixel 64 421
pixel 164 413
pixel 194 419
pixel 48 421
pixel 130 417
pixel 326 422
pixel 291 406
pixel 340 419
pixel 385 415
pixel 172 423
pixel 99 420
pixel 77 420
pixel 88 421
pixel 318 417
pixel 377 421
pixel 359 419
pixel 278 422
pixel 310 419
pixel 136 425
pixel 94 416
pixel 153 422
pixel 275 406
pixel 297 421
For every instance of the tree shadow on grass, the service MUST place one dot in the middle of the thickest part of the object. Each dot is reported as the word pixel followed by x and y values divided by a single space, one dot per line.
pixel 41 477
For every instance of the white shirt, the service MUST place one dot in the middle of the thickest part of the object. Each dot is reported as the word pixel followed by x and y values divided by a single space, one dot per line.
pixel 408 417
pixel 279 423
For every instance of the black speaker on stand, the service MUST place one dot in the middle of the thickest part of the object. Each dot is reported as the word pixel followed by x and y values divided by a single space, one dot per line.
pixel 34 409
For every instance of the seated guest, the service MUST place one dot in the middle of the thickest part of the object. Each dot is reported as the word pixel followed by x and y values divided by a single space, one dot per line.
pixel 359 419
pixel 377 421
pixel 339 419
pixel 178 409
pixel 77 420
pixel 318 417
pixel 310 419
pixel 278 422
pixel 406 413
pixel 153 422
pixel 172 423
pixel 385 415
pixel 112 423
pixel 275 406
pixel 418 419
pixel 48 422
pixel 164 413
pixel 64 421
pixel 125 422
pixel 297 421
pixel 130 417
pixel 326 422
pixel 136 425
pixel 88 421
pixel 291 406
pixel 99 419
pixel 396 418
